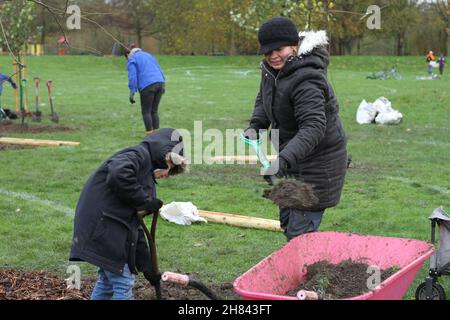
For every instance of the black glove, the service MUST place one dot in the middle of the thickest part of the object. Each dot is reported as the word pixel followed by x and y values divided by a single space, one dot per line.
pixel 282 172
pixel 132 101
pixel 13 84
pixel 270 179
pixel 283 167
pixel 154 206
pixel 153 278
pixel 251 134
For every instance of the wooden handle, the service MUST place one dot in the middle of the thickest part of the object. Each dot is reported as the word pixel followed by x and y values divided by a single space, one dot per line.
pixel 175 278
pixel 240 221
pixel 308 295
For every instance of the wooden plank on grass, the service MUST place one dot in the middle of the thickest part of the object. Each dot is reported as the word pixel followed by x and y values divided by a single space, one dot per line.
pixel 37 143
pixel 240 221
pixel 241 159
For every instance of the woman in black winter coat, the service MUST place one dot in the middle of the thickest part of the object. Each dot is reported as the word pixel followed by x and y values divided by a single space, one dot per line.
pixel 296 99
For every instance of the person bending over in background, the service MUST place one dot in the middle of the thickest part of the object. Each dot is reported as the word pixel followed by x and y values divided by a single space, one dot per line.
pixel 3 78
pixel 146 76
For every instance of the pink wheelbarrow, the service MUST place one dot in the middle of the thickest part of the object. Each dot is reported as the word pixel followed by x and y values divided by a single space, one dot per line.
pixel 285 269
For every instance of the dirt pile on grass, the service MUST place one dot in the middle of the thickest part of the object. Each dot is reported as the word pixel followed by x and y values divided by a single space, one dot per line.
pixel 41 285
pixel 345 280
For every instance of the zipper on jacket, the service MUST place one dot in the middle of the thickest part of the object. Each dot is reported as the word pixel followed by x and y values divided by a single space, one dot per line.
pixel 268 71
pixel 273 93
pixel 280 72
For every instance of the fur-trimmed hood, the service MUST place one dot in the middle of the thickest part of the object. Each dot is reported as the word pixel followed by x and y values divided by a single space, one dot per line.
pixel 313 50
pixel 310 40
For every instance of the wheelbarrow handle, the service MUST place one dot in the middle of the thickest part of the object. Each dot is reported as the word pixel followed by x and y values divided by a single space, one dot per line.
pixel 186 280
pixel 177 278
pixel 308 295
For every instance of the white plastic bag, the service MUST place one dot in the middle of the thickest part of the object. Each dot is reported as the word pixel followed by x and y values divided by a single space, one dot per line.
pixel 388 118
pixel 366 113
pixel 380 112
pixel 182 213
pixel 382 105
pixel 434 64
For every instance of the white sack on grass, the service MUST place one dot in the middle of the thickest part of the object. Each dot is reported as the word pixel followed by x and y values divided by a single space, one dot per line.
pixel 182 213
pixel 382 105
pixel 386 114
pixel 380 111
pixel 388 118
pixel 366 113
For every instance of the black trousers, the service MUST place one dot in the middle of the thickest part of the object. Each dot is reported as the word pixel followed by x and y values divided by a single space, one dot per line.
pixel 150 98
pixel 296 222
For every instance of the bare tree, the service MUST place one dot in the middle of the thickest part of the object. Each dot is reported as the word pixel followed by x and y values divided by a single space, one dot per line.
pixel 136 15
pixel 442 8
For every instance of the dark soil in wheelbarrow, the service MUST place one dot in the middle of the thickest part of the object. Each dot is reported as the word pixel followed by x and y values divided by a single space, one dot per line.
pixel 42 285
pixel 345 280
pixel 32 128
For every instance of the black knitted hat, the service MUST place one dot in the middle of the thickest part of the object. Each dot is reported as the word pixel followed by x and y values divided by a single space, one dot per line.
pixel 276 33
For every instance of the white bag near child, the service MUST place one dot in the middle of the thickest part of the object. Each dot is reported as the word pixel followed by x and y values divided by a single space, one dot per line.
pixel 182 213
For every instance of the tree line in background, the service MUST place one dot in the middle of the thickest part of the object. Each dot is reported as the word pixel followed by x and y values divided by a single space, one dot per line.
pixel 408 27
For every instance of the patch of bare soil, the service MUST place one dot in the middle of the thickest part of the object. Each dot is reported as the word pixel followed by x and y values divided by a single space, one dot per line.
pixel 345 280
pixel 32 128
pixel 41 285
pixel 169 291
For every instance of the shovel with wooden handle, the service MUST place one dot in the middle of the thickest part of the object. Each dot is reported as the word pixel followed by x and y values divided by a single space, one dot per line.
pixel 185 280
pixel 150 235
pixel 37 115
pixel 54 116
pixel 176 278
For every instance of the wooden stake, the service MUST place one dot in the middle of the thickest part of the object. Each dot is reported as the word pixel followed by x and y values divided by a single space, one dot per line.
pixel 37 143
pixel 25 77
pixel 16 77
pixel 240 221
pixel 241 159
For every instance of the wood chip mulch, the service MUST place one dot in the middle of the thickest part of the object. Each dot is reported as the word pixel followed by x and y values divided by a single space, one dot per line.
pixel 37 285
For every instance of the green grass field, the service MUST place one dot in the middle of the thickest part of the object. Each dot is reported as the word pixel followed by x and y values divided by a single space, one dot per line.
pixel 400 173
